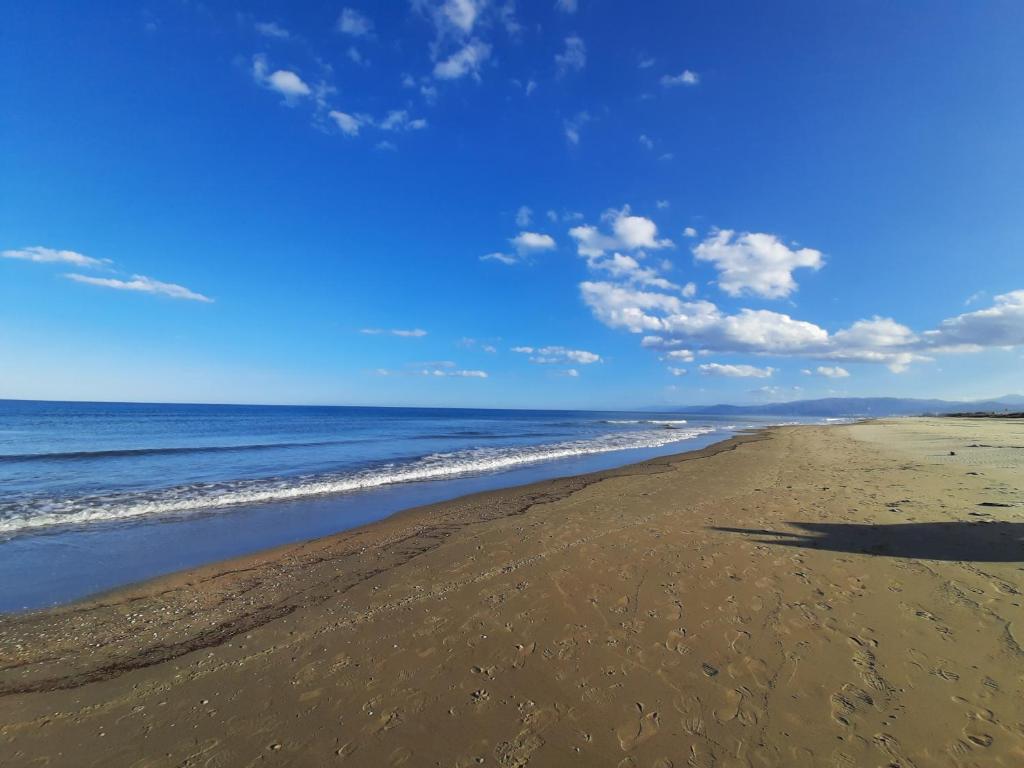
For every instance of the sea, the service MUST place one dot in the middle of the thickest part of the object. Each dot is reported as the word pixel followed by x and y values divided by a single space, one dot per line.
pixel 94 496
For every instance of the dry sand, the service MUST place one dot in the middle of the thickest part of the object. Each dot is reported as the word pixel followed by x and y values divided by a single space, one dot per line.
pixel 819 596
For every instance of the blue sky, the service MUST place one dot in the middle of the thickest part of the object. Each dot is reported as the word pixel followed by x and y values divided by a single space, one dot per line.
pixel 549 204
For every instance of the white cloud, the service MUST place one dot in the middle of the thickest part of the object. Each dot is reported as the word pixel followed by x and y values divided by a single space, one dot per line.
pixel 41 255
pixel 677 371
pixel 532 242
pixel 440 372
pixel 462 13
pixel 566 6
pixel 357 57
pixel 670 322
pixel 412 333
pixel 736 371
pixel 503 258
pixel 689 290
pixel 689 232
pixel 684 355
pixel 352 22
pixel 524 216
pixel 141 284
pixel 283 81
pixel 1001 325
pixel 622 267
pixel 686 77
pixel 437 370
pixel 833 371
pixel 398 120
pixel 556 355
pixel 572 373
pixel 661 204
pixel 349 124
pixel 645 63
pixel 385 146
pixel 572 127
pixel 272 29
pixel 646 141
pixel 466 61
pixel 530 87
pixel 755 263
pixel 628 233
pixel 573 57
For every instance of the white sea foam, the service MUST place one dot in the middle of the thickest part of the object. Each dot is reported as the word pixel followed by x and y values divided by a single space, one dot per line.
pixel 34 515
pixel 645 421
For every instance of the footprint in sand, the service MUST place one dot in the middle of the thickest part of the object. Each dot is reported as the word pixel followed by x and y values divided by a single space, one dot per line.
pixel 634 733
pixel 692 710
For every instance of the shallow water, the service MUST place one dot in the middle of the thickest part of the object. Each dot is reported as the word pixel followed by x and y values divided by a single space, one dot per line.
pixel 97 495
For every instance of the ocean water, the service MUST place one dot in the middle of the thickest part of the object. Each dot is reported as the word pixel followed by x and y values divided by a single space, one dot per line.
pixel 96 495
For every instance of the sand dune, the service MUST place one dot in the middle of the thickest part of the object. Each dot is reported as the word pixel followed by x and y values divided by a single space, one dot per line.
pixel 810 596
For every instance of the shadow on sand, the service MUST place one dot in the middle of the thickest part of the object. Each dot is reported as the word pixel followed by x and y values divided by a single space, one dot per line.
pixel 992 542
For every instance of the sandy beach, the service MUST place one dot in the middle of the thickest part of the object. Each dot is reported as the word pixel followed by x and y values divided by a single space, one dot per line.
pixel 804 596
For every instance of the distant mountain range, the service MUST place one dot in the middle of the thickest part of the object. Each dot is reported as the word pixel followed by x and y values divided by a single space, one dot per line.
pixel 861 406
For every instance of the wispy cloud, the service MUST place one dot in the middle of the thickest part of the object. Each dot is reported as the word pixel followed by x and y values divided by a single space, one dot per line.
pixel 272 29
pixel 41 255
pixel 573 57
pixel 466 61
pixel 141 284
pixel 686 77
pixel 410 333
pixel 573 126
pixel 352 22
pixel 554 355
pixel 736 371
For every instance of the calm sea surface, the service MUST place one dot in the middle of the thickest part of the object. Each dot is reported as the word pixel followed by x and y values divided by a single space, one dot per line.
pixel 96 495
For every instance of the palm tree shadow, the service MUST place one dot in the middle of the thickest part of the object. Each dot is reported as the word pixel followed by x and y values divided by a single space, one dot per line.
pixel 991 542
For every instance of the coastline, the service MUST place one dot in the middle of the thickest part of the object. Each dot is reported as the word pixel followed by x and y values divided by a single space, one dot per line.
pixel 803 595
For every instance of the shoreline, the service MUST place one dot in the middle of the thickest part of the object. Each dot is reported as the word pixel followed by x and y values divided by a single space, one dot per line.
pixel 801 595
pixel 418 528
pixel 78 562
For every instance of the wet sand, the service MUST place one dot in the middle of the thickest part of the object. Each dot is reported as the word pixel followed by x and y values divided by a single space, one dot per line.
pixel 834 596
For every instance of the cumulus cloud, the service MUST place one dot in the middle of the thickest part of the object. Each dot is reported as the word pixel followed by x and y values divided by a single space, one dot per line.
pixel 628 233
pixel 755 263
pixel 689 232
pixel 736 371
pixel 352 22
pixel 526 243
pixel 283 81
pixel 671 322
pixel 686 77
pixel 349 124
pixel 573 57
pixel 623 267
pixel 833 371
pixel 411 333
pixel 1001 325
pixel 465 61
pixel 41 255
pixel 556 355
pixel 141 284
